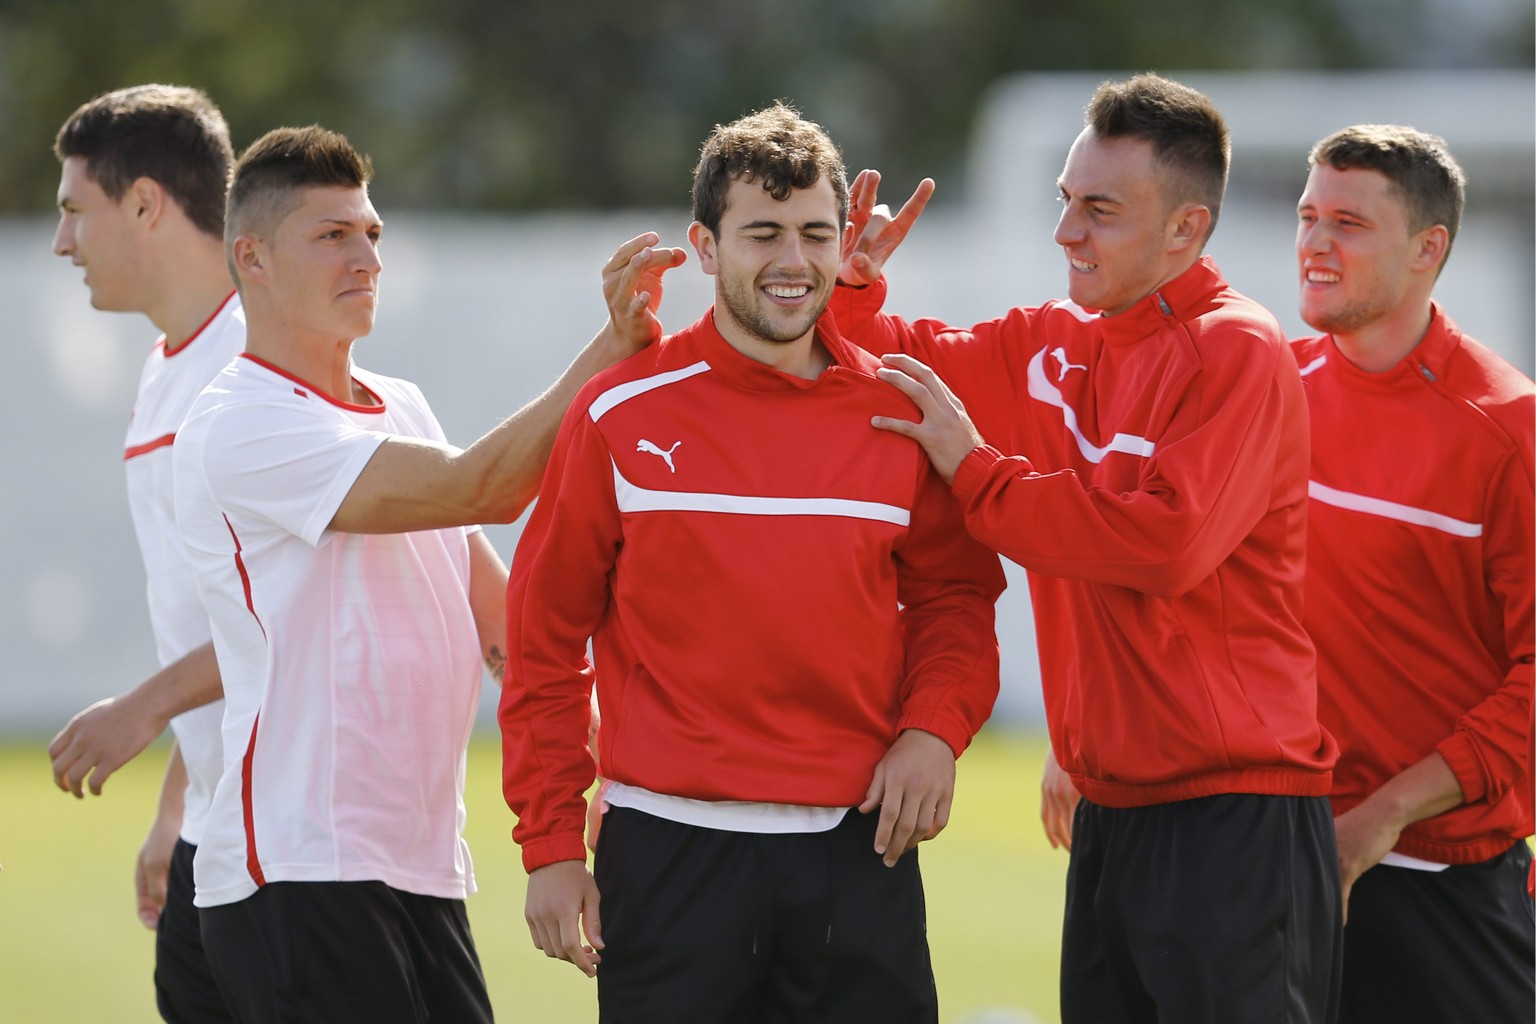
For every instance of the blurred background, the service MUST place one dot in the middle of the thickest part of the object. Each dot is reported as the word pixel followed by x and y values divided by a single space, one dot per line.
pixel 517 144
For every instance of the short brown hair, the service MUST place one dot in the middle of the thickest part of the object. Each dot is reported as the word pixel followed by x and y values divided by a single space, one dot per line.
pixel 272 174
pixel 1419 168
pixel 775 146
pixel 171 134
pixel 1188 134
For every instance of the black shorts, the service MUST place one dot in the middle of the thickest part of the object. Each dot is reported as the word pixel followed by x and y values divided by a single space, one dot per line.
pixel 1220 910
pixel 185 990
pixel 1426 947
pixel 714 927
pixel 345 953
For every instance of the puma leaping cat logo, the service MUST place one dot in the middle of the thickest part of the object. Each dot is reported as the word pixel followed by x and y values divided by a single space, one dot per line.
pixel 666 456
pixel 1060 355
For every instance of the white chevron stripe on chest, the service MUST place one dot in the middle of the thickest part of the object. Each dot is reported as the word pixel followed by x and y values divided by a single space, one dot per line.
pixel 632 498
pixel 1392 510
pixel 1042 390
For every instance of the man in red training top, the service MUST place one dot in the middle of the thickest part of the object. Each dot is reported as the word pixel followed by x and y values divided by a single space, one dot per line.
pixel 789 623
pixel 1141 449
pixel 1419 582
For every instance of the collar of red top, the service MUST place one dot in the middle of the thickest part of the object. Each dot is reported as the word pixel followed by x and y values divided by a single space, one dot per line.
pixel 1175 300
pixel 749 373
pixel 1428 360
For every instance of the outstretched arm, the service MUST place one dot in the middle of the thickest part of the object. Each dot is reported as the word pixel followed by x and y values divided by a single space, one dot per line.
pixel 110 733
pixel 411 484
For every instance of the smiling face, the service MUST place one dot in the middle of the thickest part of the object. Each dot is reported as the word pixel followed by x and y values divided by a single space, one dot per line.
pixel 319 269
pixel 1354 252
pixel 1117 226
pixel 774 262
pixel 98 233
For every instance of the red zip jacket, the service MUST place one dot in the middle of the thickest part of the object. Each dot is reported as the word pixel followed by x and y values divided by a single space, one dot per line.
pixel 1419 579
pixel 773 589
pixel 1158 501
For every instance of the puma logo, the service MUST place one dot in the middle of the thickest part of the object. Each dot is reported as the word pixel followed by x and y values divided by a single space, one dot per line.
pixel 1060 355
pixel 666 456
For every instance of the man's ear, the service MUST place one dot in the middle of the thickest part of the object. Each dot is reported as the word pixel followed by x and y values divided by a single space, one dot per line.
pixel 703 241
pixel 149 201
pixel 1187 226
pixel 248 256
pixel 1430 248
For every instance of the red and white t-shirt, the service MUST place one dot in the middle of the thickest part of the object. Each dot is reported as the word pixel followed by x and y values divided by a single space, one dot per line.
pixel 172 379
pixel 351 662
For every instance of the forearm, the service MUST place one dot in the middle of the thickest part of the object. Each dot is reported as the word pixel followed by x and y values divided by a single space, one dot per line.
pixel 173 790
pixel 488 603
pixel 505 466
pixel 189 682
pixel 1420 791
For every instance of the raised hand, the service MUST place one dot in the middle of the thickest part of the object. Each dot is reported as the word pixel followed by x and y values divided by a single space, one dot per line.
pixel 873 234
pixel 632 285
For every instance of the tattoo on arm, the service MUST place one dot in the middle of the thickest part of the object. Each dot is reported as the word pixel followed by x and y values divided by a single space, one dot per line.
pixel 496 663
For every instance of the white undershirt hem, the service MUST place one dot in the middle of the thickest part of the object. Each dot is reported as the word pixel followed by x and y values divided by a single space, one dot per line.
pixel 726 815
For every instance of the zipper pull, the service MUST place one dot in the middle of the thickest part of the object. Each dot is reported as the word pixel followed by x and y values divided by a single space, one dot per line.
pixel 1427 374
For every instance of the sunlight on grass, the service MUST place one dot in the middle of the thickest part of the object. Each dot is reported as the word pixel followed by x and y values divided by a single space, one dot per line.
pixel 71 948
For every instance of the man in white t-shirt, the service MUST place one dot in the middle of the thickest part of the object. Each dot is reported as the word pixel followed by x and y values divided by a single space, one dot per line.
pixel 326 519
pixel 141 208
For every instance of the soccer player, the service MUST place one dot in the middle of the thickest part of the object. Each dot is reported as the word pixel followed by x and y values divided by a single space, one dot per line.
pixel 789 626
pixel 1419 590
pixel 351 609
pixel 1141 449
pixel 141 208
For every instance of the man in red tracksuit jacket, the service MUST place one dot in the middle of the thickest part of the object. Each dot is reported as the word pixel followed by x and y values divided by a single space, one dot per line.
pixel 1419 591
pixel 1142 451
pixel 788 622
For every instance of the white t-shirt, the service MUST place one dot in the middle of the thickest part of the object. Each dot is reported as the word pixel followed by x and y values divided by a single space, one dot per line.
pixel 351 662
pixel 167 387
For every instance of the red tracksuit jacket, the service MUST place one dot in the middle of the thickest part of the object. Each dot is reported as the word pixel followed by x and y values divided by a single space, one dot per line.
pixel 1157 496
pixel 1419 579
pixel 773 589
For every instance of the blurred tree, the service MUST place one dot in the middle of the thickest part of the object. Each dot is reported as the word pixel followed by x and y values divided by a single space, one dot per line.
pixel 514 104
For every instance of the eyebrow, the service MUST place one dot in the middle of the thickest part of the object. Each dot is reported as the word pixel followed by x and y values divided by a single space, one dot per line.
pixel 1092 197
pixel 347 222
pixel 1344 212
pixel 821 225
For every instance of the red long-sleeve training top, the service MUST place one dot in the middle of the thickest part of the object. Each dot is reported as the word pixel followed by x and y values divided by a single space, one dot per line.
pixel 1419 579
pixel 1156 492
pixel 774 589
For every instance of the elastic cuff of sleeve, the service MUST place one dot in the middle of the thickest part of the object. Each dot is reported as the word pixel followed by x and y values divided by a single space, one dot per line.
pixel 972 471
pixel 541 852
pixel 1458 753
pixel 941 725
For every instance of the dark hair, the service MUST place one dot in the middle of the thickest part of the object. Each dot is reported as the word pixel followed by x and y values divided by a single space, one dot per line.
pixel 1420 170
pixel 775 146
pixel 1188 134
pixel 271 175
pixel 171 134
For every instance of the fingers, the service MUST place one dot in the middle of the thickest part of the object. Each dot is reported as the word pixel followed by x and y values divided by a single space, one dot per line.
pixel 628 250
pixel 913 207
pixel 150 888
pixel 592 921
pixel 906 817
pixel 906 428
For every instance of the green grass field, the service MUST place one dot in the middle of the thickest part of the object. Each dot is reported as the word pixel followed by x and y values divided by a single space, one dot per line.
pixel 72 949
